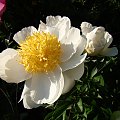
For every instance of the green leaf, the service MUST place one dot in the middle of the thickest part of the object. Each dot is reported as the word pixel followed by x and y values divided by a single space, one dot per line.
pixel 94 72
pixel 107 112
pixel 64 115
pixel 85 113
pixel 59 110
pixel 99 79
pixel 49 116
pixel 84 88
pixel 80 105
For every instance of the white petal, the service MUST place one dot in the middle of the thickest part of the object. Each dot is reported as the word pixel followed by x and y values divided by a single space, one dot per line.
pixel 73 62
pixel 40 88
pixel 0 55
pixel 46 88
pixel 81 46
pixel 96 35
pixel 47 29
pixel 63 28
pixel 57 21
pixel 67 51
pixel 52 30
pixel 29 103
pixel 108 39
pixel 3 68
pixel 73 36
pixel 26 96
pixel 56 25
pixel 10 69
pixel 86 28
pixel 21 35
pixel 26 89
pixel 73 42
pixel 76 73
pixel 8 51
pixel 59 79
pixel 110 52
pixel 42 26
pixel 68 83
pixel 52 21
pixel 71 75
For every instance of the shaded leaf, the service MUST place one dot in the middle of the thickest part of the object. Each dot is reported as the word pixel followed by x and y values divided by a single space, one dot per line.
pixel 55 115
pixel 80 105
pixel 115 115
pixel 99 79
pixel 94 72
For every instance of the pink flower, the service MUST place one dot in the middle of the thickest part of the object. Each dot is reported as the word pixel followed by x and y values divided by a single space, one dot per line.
pixel 2 7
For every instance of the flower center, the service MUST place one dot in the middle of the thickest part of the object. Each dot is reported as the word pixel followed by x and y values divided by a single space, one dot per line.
pixel 40 52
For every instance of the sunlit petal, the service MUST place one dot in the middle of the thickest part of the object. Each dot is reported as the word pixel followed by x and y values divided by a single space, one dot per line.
pixel 21 35
pixel 73 62
pixel 71 75
pixel 10 69
pixel 86 28
pixel 45 88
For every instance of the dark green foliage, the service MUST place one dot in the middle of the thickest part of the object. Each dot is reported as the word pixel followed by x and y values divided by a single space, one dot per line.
pixel 97 95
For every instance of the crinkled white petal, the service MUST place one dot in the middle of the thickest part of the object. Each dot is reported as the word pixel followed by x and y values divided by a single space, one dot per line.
pixel 73 36
pixel 108 39
pixel 45 88
pixel 71 75
pixel 47 29
pixel 42 26
pixel 52 21
pixel 8 51
pixel 10 69
pixel 67 56
pixel 110 52
pixel 73 62
pixel 96 35
pixel 21 35
pixel 86 28
pixel 57 21
pixel 63 28
pixel 56 25
pixel 73 42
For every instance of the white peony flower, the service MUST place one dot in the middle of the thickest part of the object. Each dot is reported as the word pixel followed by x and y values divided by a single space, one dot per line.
pixel 49 59
pixel 98 40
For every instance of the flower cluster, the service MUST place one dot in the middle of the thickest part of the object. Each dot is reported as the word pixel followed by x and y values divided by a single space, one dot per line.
pixel 51 58
pixel 98 40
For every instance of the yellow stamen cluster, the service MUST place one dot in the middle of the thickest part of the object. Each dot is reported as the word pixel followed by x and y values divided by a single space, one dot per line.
pixel 40 52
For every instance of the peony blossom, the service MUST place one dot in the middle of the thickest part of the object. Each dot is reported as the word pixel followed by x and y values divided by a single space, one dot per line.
pixel 2 7
pixel 49 59
pixel 98 40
